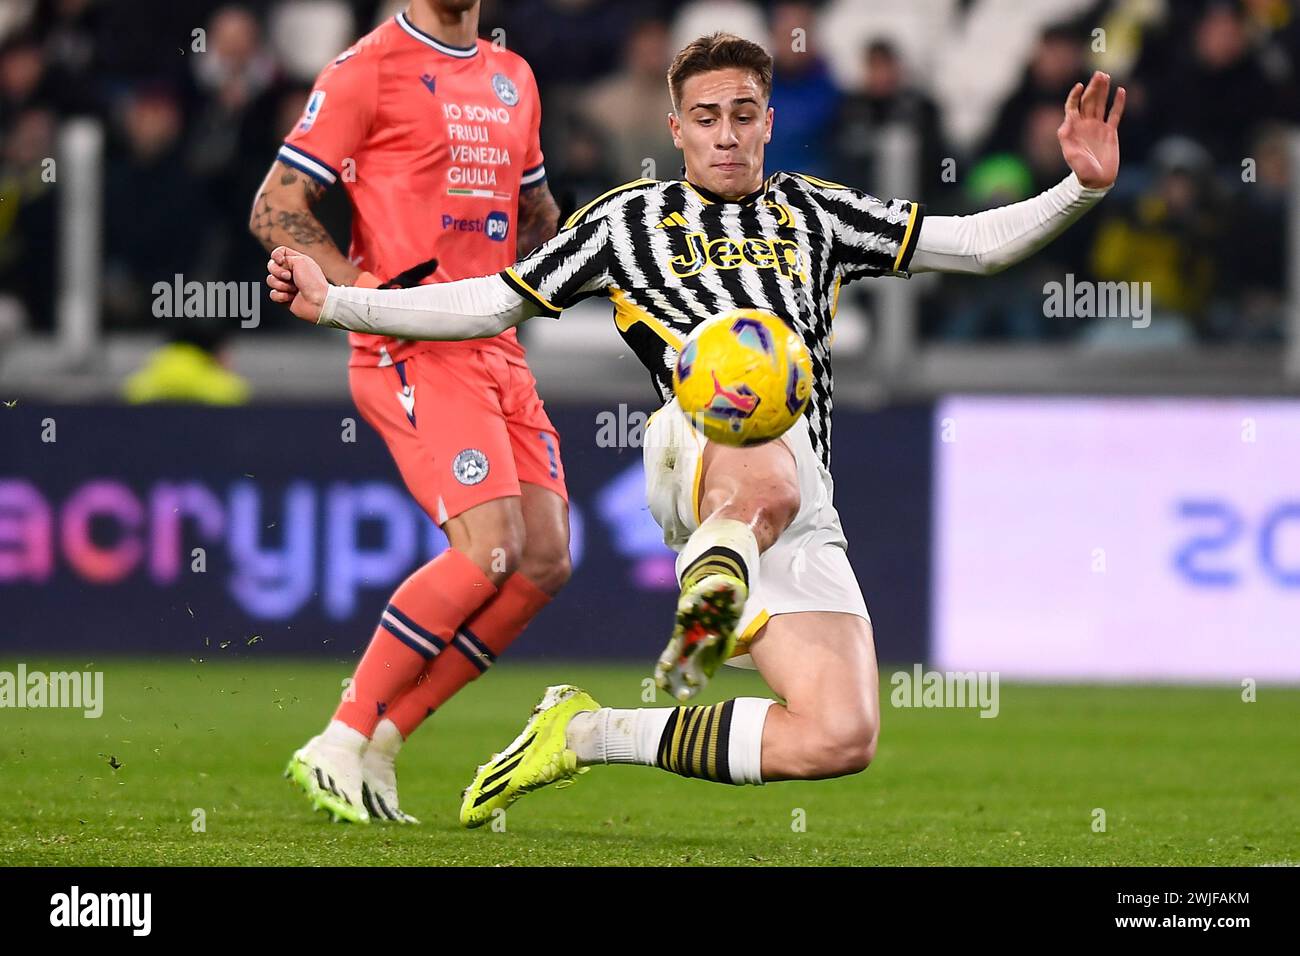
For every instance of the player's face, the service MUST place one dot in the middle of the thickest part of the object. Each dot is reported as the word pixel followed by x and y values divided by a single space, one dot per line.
pixel 721 126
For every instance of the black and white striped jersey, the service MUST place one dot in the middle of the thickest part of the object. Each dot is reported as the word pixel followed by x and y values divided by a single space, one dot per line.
pixel 670 255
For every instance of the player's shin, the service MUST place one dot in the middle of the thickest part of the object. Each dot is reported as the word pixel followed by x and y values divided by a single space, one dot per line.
pixel 420 620
pixel 475 647
pixel 472 650
pixel 720 742
pixel 719 571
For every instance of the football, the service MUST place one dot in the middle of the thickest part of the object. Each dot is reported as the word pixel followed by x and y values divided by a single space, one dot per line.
pixel 743 377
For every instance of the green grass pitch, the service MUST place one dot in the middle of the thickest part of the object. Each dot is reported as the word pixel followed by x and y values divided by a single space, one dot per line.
pixel 1185 776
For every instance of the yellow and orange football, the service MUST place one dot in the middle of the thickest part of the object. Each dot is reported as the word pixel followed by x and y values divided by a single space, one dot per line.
pixel 743 377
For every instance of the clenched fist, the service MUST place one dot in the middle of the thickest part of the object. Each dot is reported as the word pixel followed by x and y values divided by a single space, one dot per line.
pixel 296 280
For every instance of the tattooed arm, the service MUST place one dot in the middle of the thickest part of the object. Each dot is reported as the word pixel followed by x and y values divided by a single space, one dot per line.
pixel 282 216
pixel 539 218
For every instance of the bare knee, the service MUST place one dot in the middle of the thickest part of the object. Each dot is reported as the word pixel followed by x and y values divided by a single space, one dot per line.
pixel 758 486
pixel 545 560
pixel 499 555
pixel 547 564
pixel 842 745
pixel 490 535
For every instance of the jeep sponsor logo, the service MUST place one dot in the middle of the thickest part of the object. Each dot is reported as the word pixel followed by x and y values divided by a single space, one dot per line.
pixel 726 253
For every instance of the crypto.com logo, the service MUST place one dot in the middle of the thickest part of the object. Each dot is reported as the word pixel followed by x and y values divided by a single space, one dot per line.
pixel 281 547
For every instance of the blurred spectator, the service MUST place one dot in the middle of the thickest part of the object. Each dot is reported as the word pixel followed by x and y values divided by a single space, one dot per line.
pixel 236 92
pixel 1010 305
pixel 145 41
pixel 805 99
pixel 1216 89
pixel 1274 28
pixel 23 80
pixel 887 98
pixel 192 368
pixel 570 42
pixel 192 128
pixel 72 35
pixel 999 180
pixel 1171 235
pixel 27 216
pixel 701 17
pixel 1127 25
pixel 632 106
pixel 1254 305
pixel 919 30
pixel 1040 146
pixel 584 165
pixel 153 210
pixel 236 68
pixel 1056 65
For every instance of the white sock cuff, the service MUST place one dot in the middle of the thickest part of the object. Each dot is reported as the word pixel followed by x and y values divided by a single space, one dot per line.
pixel 339 734
pixel 723 533
pixel 649 723
pixel 386 739
pixel 745 746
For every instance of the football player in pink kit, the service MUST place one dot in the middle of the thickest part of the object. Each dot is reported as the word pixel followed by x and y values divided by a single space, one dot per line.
pixel 434 135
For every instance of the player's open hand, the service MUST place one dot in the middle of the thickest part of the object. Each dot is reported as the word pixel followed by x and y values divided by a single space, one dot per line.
pixel 1090 139
pixel 297 281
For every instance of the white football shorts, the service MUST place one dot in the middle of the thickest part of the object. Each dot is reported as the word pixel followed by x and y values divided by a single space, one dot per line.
pixel 806 570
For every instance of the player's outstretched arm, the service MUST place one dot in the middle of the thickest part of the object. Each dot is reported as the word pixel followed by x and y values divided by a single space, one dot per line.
pixel 989 241
pixel 446 311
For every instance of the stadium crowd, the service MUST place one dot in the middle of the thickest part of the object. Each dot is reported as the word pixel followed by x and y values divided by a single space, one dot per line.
pixel 1200 210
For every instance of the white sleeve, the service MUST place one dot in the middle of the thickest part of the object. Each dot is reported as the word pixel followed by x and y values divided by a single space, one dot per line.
pixel 989 241
pixel 476 308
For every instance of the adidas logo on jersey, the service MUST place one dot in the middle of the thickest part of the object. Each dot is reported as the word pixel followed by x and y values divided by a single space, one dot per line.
pixel 784 217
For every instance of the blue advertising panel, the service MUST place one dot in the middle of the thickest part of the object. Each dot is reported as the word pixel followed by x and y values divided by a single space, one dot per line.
pixel 282 529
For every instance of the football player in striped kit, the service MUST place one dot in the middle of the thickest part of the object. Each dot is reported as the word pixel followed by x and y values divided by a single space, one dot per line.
pixel 762 564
